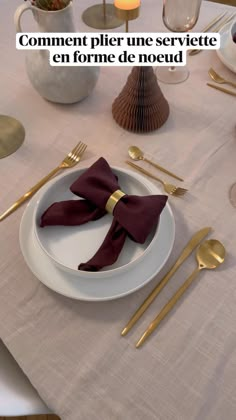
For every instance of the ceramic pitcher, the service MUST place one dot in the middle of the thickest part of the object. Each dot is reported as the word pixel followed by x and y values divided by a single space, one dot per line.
pixel 57 84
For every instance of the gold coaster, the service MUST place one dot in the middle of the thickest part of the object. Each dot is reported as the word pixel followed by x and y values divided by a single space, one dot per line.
pixel 12 135
pixel 95 17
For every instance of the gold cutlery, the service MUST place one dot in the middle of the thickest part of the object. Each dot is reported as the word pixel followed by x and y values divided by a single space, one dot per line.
pixel 224 22
pixel 228 91
pixel 169 188
pixel 68 162
pixel 137 154
pixel 188 249
pixel 217 29
pixel 210 255
pixel 213 22
pixel 219 79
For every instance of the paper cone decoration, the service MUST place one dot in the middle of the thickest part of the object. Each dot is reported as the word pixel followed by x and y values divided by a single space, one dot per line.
pixel 141 106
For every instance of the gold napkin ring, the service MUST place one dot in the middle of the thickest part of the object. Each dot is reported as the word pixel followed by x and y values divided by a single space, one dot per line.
pixel 113 200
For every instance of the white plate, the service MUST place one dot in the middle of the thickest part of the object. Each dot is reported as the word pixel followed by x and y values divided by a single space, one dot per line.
pixel 225 54
pixel 117 286
pixel 68 246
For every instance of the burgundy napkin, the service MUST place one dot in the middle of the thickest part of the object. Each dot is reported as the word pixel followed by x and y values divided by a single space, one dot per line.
pixel 134 215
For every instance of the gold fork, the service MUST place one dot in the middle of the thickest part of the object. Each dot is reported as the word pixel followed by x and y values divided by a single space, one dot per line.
pixel 215 30
pixel 219 79
pixel 169 188
pixel 68 162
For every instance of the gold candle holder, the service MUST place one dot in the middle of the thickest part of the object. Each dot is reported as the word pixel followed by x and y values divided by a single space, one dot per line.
pixel 127 15
pixel 101 16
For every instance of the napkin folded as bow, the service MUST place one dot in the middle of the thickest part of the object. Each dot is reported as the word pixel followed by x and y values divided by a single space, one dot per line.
pixel 133 215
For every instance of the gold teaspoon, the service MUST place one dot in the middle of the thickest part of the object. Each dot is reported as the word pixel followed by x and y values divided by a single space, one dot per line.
pixel 210 254
pixel 136 154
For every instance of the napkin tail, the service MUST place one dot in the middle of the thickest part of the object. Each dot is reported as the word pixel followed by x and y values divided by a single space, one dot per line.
pixel 71 213
pixel 109 251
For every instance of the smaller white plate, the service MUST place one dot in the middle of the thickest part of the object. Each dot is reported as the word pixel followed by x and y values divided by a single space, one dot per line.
pixel 225 55
pixel 68 246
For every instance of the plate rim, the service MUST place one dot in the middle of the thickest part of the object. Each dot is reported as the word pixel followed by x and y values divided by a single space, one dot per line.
pixel 219 53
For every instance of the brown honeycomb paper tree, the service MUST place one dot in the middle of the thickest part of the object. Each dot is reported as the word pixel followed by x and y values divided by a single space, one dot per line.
pixel 141 105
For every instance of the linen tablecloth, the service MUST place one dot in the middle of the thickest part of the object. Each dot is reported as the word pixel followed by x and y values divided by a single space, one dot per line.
pixel 72 351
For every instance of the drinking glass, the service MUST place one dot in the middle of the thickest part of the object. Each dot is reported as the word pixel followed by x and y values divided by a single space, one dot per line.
pixel 178 16
pixel 232 194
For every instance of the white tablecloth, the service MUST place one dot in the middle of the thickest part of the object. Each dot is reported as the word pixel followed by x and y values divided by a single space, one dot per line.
pixel 72 351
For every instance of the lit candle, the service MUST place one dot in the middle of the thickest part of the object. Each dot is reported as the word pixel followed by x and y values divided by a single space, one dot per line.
pixel 127 10
pixel 127 4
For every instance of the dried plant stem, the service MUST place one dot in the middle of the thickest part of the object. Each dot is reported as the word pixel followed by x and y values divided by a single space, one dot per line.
pixel 39 4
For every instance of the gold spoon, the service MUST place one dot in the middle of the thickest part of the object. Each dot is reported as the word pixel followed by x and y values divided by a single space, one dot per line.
pixel 218 79
pixel 136 154
pixel 209 255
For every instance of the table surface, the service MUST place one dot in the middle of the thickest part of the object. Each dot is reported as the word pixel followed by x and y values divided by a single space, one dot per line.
pixel 72 351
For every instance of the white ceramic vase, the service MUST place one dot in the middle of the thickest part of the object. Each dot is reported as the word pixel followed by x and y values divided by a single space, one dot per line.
pixel 57 84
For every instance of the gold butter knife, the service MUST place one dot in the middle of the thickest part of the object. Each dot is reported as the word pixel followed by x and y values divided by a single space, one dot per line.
pixel 188 249
pixel 228 91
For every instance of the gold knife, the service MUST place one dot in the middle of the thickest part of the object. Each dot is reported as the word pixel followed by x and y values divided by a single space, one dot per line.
pixel 142 170
pixel 188 249
pixel 228 91
pixel 213 22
